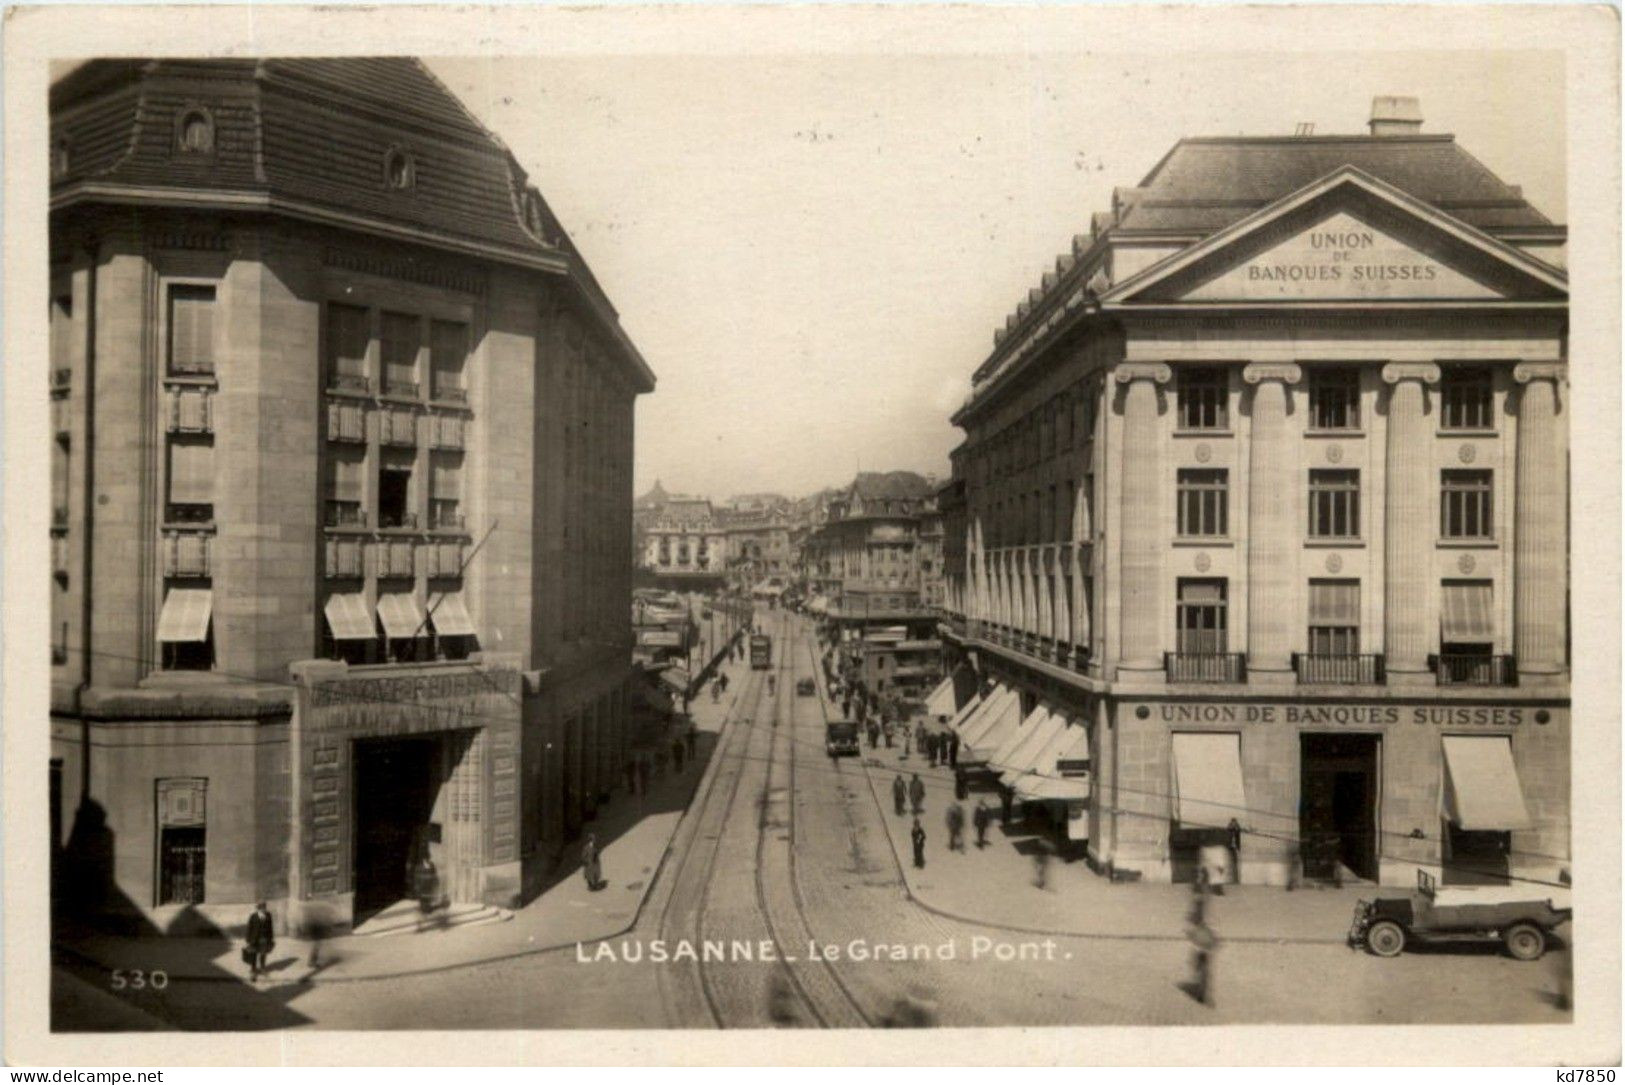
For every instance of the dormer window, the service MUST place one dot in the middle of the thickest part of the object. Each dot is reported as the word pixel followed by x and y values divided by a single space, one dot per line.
pixel 400 173
pixel 194 134
pixel 61 158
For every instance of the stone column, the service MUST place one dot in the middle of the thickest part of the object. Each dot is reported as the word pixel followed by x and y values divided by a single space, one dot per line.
pixel 1272 532
pixel 1409 528
pixel 1541 546
pixel 1141 619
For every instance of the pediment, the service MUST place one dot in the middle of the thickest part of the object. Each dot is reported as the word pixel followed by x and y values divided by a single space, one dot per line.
pixel 1346 238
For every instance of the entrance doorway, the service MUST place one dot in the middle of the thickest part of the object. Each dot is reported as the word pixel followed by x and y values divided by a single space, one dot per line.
pixel 1475 857
pixel 396 781
pixel 1337 813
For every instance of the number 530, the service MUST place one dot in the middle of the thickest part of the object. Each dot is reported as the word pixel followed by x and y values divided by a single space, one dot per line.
pixel 135 979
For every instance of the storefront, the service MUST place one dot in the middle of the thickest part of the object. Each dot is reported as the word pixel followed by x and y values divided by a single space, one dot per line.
pixel 1471 791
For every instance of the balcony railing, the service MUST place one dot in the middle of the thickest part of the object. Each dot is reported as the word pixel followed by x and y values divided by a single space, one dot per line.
pixel 449 394
pixel 191 367
pixel 175 513
pixel 1474 670
pixel 346 422
pixel 447 431
pixel 404 389
pixel 1345 670
pixel 447 521
pixel 348 382
pixel 344 514
pixel 1205 666
pixel 187 553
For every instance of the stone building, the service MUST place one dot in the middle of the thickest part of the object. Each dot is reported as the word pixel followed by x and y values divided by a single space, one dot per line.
pixel 342 487
pixel 1265 492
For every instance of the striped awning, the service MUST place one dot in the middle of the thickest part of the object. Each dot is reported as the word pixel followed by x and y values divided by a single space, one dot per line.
pixel 185 617
pixel 940 702
pixel 1467 616
pixel 449 614
pixel 1481 784
pixel 1035 788
pixel 347 617
pixel 1208 789
pixel 986 732
pixel 1042 725
pixel 400 614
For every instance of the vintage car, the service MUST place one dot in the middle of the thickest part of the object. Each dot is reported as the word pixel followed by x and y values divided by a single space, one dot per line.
pixel 1521 917
pixel 841 737
pixel 806 688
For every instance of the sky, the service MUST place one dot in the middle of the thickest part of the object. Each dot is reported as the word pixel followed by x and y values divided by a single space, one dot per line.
pixel 812 250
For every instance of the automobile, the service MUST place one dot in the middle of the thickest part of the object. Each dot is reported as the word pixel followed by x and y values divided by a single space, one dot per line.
pixel 806 688
pixel 1521 917
pixel 841 737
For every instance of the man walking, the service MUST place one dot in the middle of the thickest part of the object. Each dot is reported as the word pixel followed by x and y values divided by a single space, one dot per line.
pixel 981 817
pixel 953 749
pixel 917 834
pixel 874 734
pixel 260 940
pixel 956 827
pixel 961 784
pixel 899 793
pixel 931 749
pixel 591 866
pixel 916 793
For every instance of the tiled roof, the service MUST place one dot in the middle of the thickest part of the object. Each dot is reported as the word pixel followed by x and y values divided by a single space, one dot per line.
pixel 1205 184
pixel 872 485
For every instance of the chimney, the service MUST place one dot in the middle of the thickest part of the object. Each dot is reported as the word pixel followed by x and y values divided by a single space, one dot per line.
pixel 1395 116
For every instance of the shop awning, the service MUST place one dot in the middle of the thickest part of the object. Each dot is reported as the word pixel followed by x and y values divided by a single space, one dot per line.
pixel 1040 727
pixel 185 616
pixel 1070 743
pixel 966 711
pixel 1006 725
pixel 985 717
pixel 1035 788
pixel 1467 617
pixel 348 618
pixel 450 615
pixel 940 702
pixel 1481 784
pixel 676 679
pixel 400 614
pixel 969 723
pixel 1208 790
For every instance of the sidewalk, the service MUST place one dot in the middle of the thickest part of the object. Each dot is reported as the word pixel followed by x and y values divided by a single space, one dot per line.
pixel 638 831
pixel 1076 900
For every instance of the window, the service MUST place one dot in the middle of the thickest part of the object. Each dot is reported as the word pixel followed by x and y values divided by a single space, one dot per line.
pixel 446 491
pixel 1334 617
pixel 1465 505
pixel 1203 398
pixel 195 133
pixel 1334 504
pixel 448 352
pixel 1465 398
pixel 346 470
pixel 399 171
pixel 191 481
pixel 191 330
pixel 1204 502
pixel 1467 619
pixel 347 337
pixel 181 839
pixel 186 628
pixel 1334 399
pixel 1200 617
pixel 395 492
pixel 399 347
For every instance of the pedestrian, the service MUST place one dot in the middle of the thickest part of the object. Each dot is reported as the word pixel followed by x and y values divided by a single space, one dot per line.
pixel 981 817
pixel 846 707
pixel 591 866
pixel 260 940
pixel 1041 857
pixel 956 827
pixel 916 793
pixel 953 749
pixel 931 749
pixel 691 737
pixel 425 882
pixel 907 738
pixel 885 730
pixel 722 680
pixel 1007 798
pixel 1233 831
pixel 1203 942
pixel 899 793
pixel 961 784
pixel 917 834
pixel 716 692
pixel 874 734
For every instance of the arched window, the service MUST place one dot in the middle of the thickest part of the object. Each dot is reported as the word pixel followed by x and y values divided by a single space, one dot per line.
pixel 399 171
pixel 195 134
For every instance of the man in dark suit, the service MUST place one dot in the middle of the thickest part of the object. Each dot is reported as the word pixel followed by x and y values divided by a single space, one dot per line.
pixel 261 940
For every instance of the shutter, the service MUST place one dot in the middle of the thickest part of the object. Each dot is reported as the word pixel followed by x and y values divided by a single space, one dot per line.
pixel 191 328
pixel 401 349
pixel 347 330
pixel 1334 602
pixel 191 473
pixel 1468 617
pixel 446 480
pixel 347 474
pixel 447 350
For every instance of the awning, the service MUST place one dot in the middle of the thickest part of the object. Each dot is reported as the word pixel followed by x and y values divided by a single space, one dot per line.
pixel 966 711
pixel 676 678
pixel 1070 743
pixel 400 614
pixel 986 714
pixel 449 615
pixel 940 702
pixel 1041 726
pixel 348 618
pixel 1208 791
pixel 185 617
pixel 1467 617
pixel 1481 784
pixel 1035 788
pixel 1005 723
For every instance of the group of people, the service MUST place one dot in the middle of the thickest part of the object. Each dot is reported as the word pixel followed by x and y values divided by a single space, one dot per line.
pixel 909 798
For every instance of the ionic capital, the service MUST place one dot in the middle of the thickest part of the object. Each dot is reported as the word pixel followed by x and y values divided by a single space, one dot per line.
pixel 1524 372
pixel 1157 372
pixel 1426 372
pixel 1285 372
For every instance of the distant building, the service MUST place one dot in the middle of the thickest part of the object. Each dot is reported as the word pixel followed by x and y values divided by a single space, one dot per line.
pixel 342 452
pixel 1265 500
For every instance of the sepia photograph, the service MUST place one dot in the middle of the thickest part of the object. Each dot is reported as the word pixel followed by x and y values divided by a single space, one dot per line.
pixel 560 522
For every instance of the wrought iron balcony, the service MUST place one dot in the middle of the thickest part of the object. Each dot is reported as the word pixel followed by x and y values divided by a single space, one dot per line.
pixel 1205 666
pixel 1345 670
pixel 403 389
pixel 450 393
pixel 345 514
pixel 1474 670
pixel 348 382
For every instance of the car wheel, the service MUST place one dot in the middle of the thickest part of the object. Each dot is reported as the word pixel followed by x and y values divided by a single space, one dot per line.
pixel 1385 938
pixel 1525 941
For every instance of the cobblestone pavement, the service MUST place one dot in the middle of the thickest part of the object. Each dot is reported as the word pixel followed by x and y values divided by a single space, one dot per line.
pixel 783 843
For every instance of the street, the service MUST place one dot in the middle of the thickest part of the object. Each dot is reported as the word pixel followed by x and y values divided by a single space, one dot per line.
pixel 782 902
